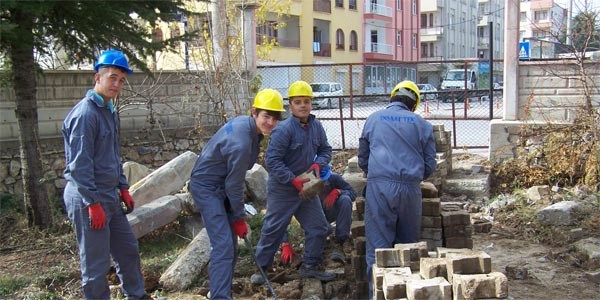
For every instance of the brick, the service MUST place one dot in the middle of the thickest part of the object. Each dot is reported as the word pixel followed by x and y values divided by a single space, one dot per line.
pixel 411 253
pixel 492 285
pixel 394 285
pixel 431 222
pixel 458 242
pixel 431 233
pixel 443 251
pixel 379 272
pixel 359 266
pixel 431 207
pixel 460 217
pixel 428 190
pixel 433 267
pixel 476 262
pixel 432 244
pixel 357 228
pixel 458 231
pixel 434 288
pixel 389 257
pixel 360 244
pixel 482 226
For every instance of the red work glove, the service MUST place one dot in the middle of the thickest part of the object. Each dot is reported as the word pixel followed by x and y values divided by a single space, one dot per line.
pixel 240 228
pixel 97 216
pixel 316 167
pixel 128 200
pixel 299 182
pixel 330 199
pixel 287 253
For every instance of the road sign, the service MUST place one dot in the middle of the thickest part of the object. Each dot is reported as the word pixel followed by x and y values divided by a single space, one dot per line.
pixel 524 50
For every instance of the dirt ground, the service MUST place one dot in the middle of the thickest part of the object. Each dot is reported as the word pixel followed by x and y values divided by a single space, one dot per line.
pixel 535 271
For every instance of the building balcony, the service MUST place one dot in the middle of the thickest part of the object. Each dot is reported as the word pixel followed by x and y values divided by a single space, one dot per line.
pixel 378 9
pixel 321 49
pixel 483 20
pixel 285 43
pixel 435 31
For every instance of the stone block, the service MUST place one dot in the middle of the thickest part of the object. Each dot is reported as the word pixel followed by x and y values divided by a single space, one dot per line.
pixel 359 266
pixel 482 226
pixel 431 222
pixel 434 288
pixel 394 285
pixel 390 257
pixel 459 217
pixel 476 262
pixel 433 267
pixel 431 233
pixel 433 244
pixel 357 228
pixel 431 207
pixel 443 251
pixel 479 286
pixel 458 242
pixel 379 272
pixel 458 231
pixel 360 244
pixel 312 289
pixel 428 190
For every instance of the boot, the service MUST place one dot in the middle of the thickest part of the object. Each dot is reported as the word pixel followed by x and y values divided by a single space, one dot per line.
pixel 315 271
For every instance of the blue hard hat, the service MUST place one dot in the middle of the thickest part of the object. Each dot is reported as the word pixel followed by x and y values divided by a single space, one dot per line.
pixel 114 58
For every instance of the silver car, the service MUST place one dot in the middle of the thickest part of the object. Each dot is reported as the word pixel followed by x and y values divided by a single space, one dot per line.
pixel 428 91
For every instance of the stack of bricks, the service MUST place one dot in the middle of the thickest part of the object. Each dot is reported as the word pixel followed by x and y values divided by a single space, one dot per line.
pixel 443 156
pixel 456 225
pixel 359 258
pixel 431 221
pixel 451 274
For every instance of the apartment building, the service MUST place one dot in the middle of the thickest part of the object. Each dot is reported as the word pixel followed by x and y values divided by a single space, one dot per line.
pixel 541 23
pixel 490 13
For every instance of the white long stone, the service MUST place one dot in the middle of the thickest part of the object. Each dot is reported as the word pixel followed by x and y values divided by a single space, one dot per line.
pixel 188 265
pixel 148 217
pixel 166 180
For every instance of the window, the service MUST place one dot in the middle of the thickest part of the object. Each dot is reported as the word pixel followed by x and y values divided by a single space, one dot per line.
pixel 424 49
pixel 431 20
pixel 541 15
pixel 431 50
pixel 339 3
pixel 414 8
pixel 353 41
pixel 423 20
pixel 352 4
pixel 399 38
pixel 339 39
pixel 267 31
pixel 414 41
pixel 398 4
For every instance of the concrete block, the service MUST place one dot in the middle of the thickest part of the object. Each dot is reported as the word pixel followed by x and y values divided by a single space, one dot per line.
pixel 394 285
pixel 357 228
pixel 434 288
pixel 431 233
pixel 379 272
pixel 428 190
pixel 443 251
pixel 479 286
pixel 460 217
pixel 431 222
pixel 431 207
pixel 476 262
pixel 433 267
pixel 390 257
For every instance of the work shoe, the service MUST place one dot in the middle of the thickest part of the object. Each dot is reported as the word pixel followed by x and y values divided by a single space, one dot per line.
pixel 308 271
pixel 257 279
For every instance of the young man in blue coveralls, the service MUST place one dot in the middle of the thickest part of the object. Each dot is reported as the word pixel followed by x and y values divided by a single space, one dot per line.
pixel 217 184
pixel 95 182
pixel 336 199
pixel 292 148
pixel 397 151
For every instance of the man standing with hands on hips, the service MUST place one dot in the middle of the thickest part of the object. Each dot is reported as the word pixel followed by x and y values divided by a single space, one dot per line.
pixel 96 185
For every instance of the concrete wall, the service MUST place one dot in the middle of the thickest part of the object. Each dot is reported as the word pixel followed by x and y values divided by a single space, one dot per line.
pixel 550 92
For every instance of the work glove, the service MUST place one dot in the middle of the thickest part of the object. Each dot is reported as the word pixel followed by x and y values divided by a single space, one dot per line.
pixel 128 200
pixel 240 228
pixel 287 253
pixel 97 216
pixel 299 183
pixel 330 199
pixel 315 167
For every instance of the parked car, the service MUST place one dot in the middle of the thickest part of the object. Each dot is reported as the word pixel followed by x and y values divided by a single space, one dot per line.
pixel 428 91
pixel 326 94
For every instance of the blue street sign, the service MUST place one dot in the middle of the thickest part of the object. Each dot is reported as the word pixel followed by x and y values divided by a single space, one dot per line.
pixel 524 50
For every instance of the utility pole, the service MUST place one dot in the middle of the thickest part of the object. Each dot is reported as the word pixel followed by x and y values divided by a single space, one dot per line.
pixel 569 15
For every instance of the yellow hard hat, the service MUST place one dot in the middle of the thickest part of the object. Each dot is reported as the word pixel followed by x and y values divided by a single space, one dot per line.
pixel 411 86
pixel 268 99
pixel 300 88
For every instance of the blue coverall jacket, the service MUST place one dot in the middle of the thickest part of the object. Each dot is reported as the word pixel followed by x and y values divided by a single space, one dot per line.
pixel 217 186
pixel 341 212
pixel 291 151
pixel 94 174
pixel 397 151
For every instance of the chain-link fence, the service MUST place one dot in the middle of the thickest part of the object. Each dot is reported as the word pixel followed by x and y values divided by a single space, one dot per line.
pixel 346 94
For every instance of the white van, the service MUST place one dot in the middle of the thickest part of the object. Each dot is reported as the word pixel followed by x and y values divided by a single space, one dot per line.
pixel 326 94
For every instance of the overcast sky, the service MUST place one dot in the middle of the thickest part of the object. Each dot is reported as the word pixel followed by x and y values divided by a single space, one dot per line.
pixel 579 5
